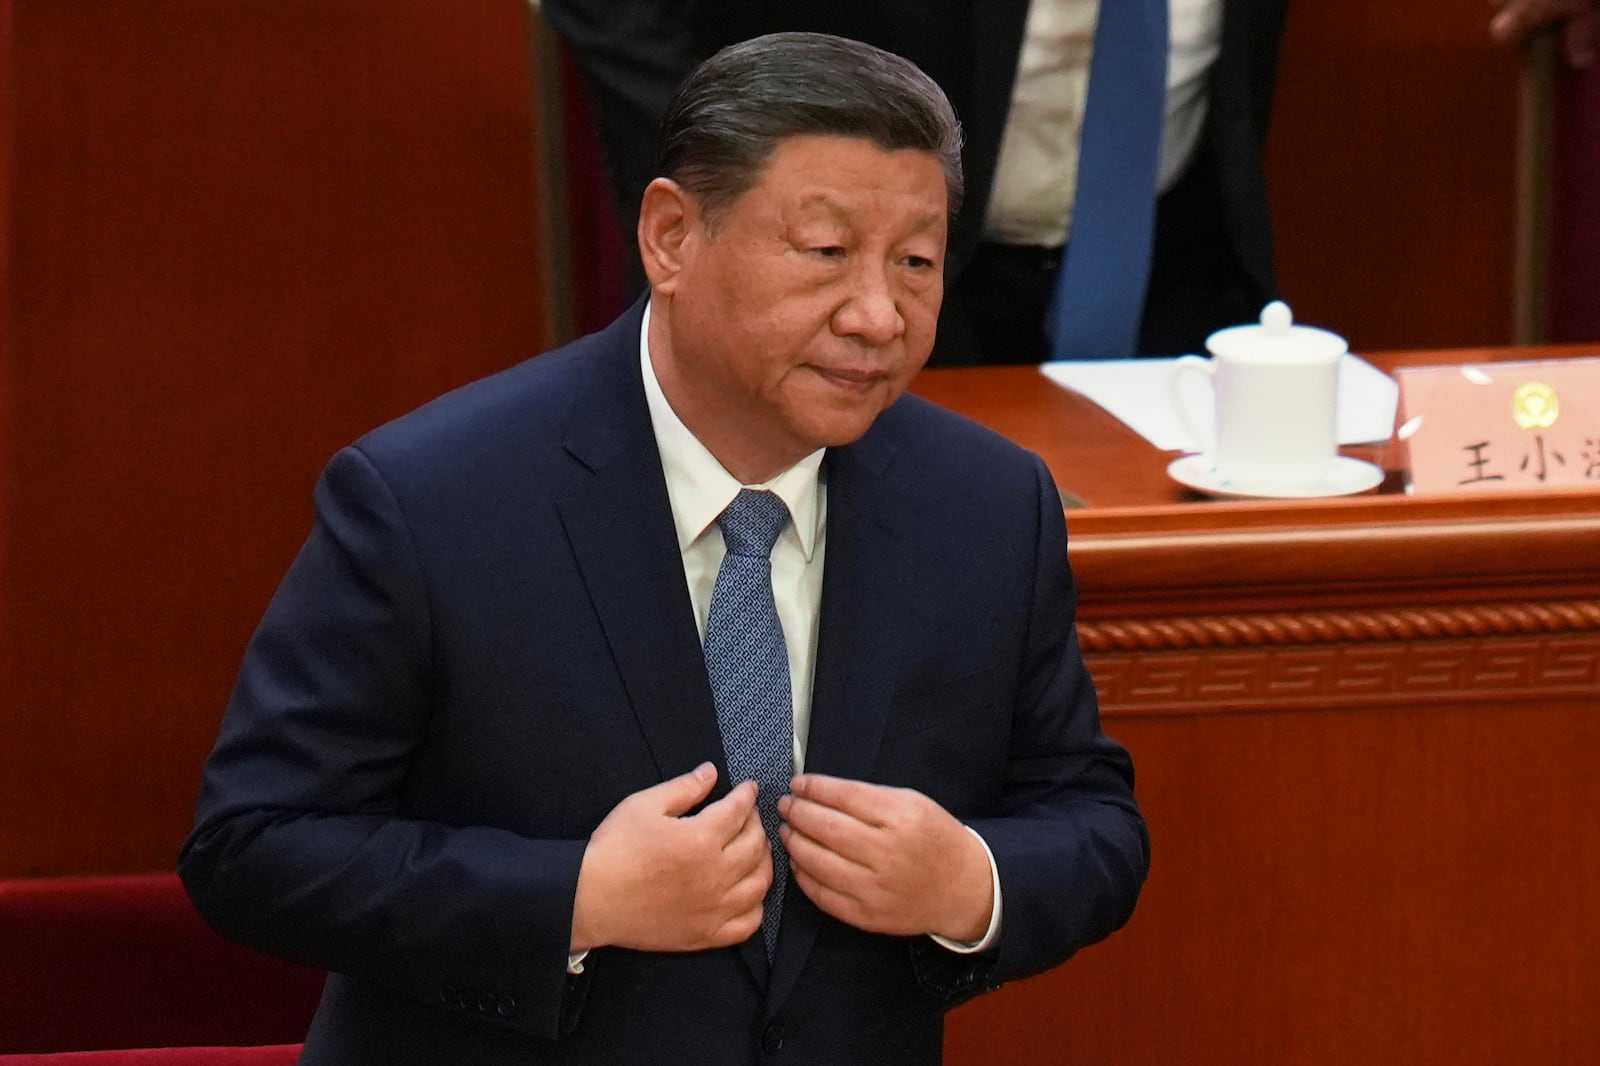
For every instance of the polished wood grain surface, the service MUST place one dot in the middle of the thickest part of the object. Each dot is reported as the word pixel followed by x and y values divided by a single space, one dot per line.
pixel 1395 885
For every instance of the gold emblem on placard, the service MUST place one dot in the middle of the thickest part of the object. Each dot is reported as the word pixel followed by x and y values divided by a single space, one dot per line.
pixel 1535 406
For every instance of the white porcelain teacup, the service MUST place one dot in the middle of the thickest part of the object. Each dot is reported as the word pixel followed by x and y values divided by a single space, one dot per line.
pixel 1276 388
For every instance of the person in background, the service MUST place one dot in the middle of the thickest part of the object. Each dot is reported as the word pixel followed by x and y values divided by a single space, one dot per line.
pixel 1019 75
pixel 689 694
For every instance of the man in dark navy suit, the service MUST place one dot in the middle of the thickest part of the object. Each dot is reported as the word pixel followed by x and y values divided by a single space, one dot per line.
pixel 523 754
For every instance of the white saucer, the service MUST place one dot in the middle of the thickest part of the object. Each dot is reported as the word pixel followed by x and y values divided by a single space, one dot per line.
pixel 1344 477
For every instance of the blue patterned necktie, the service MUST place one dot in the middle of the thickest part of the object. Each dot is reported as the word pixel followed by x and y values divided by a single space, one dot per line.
pixel 748 664
pixel 1100 293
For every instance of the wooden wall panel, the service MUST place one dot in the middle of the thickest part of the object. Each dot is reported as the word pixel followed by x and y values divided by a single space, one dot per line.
pixel 240 234
pixel 1392 163
pixel 1400 884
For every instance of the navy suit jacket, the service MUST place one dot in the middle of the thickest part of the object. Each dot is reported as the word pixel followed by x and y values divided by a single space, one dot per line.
pixel 487 642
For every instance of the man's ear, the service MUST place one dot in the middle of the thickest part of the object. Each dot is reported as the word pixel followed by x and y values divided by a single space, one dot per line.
pixel 668 216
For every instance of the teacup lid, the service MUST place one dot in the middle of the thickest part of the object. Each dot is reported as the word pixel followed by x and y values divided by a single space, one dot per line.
pixel 1277 338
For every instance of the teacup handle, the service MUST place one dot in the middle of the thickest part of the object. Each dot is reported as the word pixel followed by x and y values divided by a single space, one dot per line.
pixel 1188 366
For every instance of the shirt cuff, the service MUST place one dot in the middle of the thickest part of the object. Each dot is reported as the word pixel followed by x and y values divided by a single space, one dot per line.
pixel 575 962
pixel 994 917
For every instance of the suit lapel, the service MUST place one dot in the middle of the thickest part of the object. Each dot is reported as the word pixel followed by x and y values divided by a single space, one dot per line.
pixel 618 521
pixel 864 585
pixel 867 573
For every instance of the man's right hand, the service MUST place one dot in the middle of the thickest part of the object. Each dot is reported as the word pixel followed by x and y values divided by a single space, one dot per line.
pixel 655 880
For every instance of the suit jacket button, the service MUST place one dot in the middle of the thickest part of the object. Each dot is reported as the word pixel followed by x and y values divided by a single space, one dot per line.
pixel 772 1037
pixel 487 1003
pixel 447 993
pixel 507 1007
pixel 467 998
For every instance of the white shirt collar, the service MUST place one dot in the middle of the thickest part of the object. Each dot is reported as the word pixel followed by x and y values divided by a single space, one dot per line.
pixel 699 488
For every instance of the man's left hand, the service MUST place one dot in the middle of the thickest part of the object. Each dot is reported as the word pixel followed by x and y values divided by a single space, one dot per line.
pixel 887 860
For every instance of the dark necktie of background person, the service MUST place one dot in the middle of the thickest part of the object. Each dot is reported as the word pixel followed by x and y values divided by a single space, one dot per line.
pixel 1100 293
pixel 747 662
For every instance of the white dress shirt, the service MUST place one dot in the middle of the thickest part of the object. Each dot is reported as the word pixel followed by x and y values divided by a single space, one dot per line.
pixel 1037 171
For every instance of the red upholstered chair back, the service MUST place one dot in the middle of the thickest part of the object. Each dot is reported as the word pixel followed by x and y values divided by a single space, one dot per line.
pixel 276 1055
pixel 89 963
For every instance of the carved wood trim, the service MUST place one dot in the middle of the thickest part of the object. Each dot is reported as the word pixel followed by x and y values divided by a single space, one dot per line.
pixel 1324 627
pixel 1497 670
pixel 1330 660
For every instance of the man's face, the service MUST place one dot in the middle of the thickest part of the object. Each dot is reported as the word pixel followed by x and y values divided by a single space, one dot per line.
pixel 806 306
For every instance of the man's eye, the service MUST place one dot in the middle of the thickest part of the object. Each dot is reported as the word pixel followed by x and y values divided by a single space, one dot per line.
pixel 919 262
pixel 830 251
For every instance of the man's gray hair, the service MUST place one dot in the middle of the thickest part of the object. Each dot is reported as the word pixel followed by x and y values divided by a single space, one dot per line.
pixel 737 106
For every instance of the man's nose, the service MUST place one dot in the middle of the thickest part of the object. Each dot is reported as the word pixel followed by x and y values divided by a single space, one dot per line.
pixel 870 311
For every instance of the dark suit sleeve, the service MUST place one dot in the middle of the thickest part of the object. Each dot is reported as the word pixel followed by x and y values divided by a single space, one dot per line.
pixel 1068 839
pixel 302 847
pixel 633 56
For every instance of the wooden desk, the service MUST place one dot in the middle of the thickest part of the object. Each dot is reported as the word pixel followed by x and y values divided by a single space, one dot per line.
pixel 1367 733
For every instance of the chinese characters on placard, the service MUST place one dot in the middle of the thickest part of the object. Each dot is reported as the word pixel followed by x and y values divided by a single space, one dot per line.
pixel 1537 460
